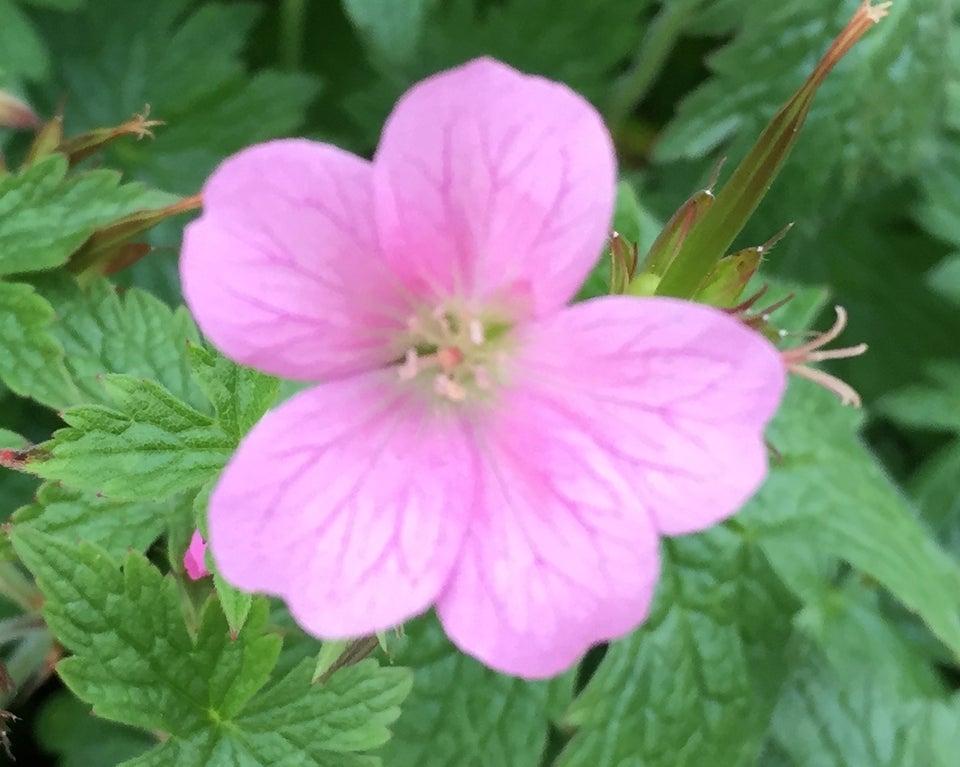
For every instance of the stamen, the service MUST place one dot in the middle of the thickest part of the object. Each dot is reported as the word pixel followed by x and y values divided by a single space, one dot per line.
pixel 475 328
pixel 408 370
pixel 447 387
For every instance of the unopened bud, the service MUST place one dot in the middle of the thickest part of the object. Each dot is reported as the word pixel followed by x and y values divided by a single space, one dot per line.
pixel 15 113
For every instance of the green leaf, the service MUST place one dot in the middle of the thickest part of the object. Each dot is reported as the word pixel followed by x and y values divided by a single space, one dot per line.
pixel 45 215
pixel 239 395
pixel 117 526
pixel 137 664
pixel 695 684
pixel 829 497
pixel 391 29
pixel 739 99
pixel 934 489
pixel 10 439
pixel 149 448
pixel 211 105
pixel 22 52
pixel 605 32
pixel 102 331
pixel 859 694
pixel 31 360
pixel 235 604
pixel 461 713
pixel 66 728
pixel 935 407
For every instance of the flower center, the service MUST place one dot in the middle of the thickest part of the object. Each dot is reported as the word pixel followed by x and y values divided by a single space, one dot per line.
pixel 456 353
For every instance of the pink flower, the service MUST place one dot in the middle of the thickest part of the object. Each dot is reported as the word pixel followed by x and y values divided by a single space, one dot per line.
pixel 193 559
pixel 474 445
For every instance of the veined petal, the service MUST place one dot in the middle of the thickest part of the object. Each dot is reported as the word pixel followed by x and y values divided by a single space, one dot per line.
pixel 679 392
pixel 488 181
pixel 626 418
pixel 283 271
pixel 349 501
pixel 560 554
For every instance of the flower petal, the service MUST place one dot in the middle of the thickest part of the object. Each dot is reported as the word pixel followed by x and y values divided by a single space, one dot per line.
pixel 490 181
pixel 680 392
pixel 283 271
pixel 627 417
pixel 559 555
pixel 349 501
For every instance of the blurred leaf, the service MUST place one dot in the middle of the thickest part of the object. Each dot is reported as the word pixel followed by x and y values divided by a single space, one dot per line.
pixel 934 488
pixel 22 52
pixel 460 713
pixel 66 728
pixel 391 29
pixel 830 497
pixel 184 61
pixel 581 44
pixel 935 406
pixel 695 684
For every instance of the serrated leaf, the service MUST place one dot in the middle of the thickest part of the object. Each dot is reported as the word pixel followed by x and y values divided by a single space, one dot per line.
pixel 102 331
pixel 31 360
pixel 461 713
pixel 117 526
pixel 696 682
pixel 211 105
pixel 136 663
pixel 239 395
pixel 134 659
pixel 45 215
pixel 151 447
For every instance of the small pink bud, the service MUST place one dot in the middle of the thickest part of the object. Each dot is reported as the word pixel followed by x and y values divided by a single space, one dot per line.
pixel 193 560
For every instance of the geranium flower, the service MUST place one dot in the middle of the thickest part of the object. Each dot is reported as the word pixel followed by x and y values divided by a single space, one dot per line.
pixel 473 444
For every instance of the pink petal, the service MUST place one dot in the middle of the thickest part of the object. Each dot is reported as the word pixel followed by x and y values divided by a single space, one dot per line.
pixel 193 559
pixel 679 391
pixel 559 555
pixel 283 271
pixel 629 417
pixel 349 501
pixel 490 181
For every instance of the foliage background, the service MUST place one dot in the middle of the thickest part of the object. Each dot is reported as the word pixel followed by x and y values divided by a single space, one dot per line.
pixel 820 627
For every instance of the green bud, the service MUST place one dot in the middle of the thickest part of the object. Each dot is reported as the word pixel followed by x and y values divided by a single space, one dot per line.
pixel 711 236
